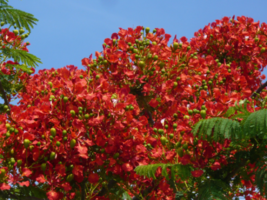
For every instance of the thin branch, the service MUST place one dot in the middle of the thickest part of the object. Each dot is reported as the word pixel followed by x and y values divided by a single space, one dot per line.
pixel 4 96
pixel 259 90
pixel 242 164
pixel 110 184
pixel 83 191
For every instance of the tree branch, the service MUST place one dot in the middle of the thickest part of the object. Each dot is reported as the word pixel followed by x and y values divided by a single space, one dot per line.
pixel 83 191
pixel 242 164
pixel 2 91
pixel 259 90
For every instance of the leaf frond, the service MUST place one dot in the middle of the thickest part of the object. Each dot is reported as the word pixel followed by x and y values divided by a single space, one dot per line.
pixel 261 177
pixel 222 128
pixel 150 170
pixel 22 56
pixel 256 124
pixel 16 17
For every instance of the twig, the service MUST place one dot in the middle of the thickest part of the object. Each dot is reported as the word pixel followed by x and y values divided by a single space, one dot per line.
pixel 259 90
pixel 83 191
pixel 4 96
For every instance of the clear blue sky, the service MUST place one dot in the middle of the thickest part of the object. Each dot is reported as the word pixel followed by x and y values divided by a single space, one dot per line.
pixel 69 30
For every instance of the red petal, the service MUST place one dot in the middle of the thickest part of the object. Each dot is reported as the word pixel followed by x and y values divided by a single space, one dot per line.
pixel 154 103
pixel 113 58
pixel 26 172
pixel 127 167
pixel 82 151
pixel 4 186
pixel 122 45
pixel 170 155
pixel 25 183
pixel 85 62
pixel 197 173
pixel 108 41
pixel 53 195
pixel 115 36
pixel 61 170
pixel 93 178
pixel 156 152
pixel 122 33
pixel 66 186
pixel 78 173
pixel 41 179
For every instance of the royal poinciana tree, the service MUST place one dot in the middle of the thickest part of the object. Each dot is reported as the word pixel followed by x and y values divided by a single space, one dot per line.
pixel 15 60
pixel 145 120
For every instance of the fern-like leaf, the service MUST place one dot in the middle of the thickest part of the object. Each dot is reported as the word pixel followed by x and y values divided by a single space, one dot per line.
pixel 241 108
pixel 256 124
pixel 261 177
pixel 179 195
pixel 23 56
pixel 16 17
pixel 22 67
pixel 222 128
pixel 150 170
pixel 213 189
pixel 183 171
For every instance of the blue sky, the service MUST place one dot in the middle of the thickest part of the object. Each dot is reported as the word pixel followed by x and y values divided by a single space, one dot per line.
pixel 69 30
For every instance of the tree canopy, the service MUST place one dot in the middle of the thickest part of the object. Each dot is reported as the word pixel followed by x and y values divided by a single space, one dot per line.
pixel 145 120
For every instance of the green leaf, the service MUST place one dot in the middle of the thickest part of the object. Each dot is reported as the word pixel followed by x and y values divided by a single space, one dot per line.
pixel 37 192
pixel 222 128
pixel 22 56
pixel 16 17
pixel 256 124
pixel 183 171
pixel 150 170
pixel 230 112
pixel 261 177
pixel 211 189
pixel 179 195
pixel 126 196
pixel 22 67
pixel 241 107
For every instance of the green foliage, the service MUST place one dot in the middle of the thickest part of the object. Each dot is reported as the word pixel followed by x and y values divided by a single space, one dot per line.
pixel 261 177
pixel 220 127
pixel 241 109
pixel 32 191
pixel 253 125
pixel 256 124
pixel 24 192
pixel 16 17
pixel 183 171
pixel 126 196
pixel 150 170
pixel 211 189
pixel 179 195
pixel 23 56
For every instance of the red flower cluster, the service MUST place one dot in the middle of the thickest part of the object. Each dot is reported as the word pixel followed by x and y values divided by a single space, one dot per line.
pixel 10 40
pixel 97 125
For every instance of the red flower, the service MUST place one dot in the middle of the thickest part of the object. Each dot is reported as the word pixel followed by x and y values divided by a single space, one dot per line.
pixel 93 178
pixel 197 173
pixel 215 166
pixel 127 167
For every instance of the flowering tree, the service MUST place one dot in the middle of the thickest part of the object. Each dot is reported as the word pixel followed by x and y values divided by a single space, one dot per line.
pixel 15 61
pixel 145 120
